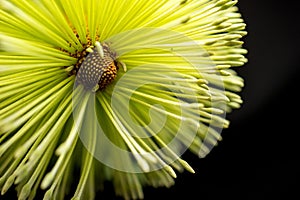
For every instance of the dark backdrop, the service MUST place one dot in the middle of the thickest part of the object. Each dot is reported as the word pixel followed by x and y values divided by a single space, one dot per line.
pixel 257 159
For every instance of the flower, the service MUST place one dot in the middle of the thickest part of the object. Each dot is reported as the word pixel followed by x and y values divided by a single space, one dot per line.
pixel 113 91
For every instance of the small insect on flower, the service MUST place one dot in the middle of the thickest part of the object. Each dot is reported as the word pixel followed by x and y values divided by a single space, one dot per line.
pixel 113 91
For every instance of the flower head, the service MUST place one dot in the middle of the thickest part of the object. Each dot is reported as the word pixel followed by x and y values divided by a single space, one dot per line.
pixel 113 91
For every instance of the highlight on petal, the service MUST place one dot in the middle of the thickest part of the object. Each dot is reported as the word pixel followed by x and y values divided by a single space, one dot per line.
pixel 94 91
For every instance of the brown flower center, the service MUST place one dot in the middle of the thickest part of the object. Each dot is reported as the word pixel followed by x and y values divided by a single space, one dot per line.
pixel 98 69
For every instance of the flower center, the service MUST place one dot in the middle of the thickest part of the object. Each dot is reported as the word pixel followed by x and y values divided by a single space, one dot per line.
pixel 98 68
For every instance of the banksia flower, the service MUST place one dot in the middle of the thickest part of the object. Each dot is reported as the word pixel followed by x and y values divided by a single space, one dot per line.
pixel 96 90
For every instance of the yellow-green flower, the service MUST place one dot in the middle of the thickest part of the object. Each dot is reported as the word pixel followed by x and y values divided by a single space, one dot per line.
pixel 112 90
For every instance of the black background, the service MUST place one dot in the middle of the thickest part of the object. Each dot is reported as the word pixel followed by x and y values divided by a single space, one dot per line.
pixel 257 159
